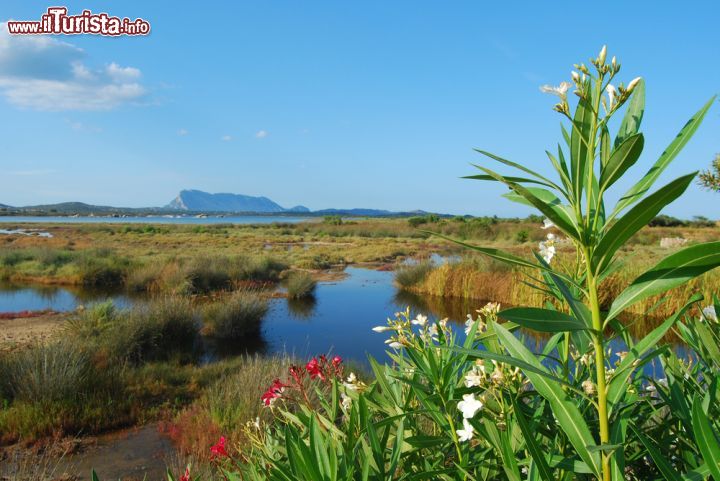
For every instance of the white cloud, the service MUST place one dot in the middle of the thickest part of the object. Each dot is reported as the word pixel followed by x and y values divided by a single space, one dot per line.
pixel 226 138
pixel 43 73
pixel 182 132
pixel 261 134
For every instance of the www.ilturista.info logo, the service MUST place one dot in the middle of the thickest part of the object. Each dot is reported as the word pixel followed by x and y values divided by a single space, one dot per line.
pixel 57 22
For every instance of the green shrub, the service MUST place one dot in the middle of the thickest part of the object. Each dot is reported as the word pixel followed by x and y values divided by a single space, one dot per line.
pixel 237 316
pixel 300 285
pixel 207 274
pixel 521 236
pixel 102 269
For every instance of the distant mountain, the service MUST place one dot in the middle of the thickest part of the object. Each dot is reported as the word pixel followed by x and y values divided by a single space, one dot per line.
pixel 199 201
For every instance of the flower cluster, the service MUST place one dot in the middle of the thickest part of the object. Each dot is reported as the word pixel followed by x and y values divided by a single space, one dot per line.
pixel 403 335
pixel 469 406
pixel 709 314
pixel 488 313
pixel 547 248
pixel 320 368
pixel 616 96
pixel 218 449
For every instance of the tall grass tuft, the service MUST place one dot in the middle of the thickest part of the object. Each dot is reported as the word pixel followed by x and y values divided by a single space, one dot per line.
pixel 237 316
pixel 412 274
pixel 150 331
pixel 300 285
pixel 47 373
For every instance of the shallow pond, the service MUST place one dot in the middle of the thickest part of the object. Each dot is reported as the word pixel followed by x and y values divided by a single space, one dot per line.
pixel 338 320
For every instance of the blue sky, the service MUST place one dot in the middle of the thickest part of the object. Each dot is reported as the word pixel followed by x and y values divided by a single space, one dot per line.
pixel 334 104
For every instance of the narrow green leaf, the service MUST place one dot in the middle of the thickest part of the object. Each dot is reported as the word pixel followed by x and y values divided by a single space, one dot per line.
pixel 633 114
pixel 567 413
pixel 621 160
pixel 666 157
pixel 518 180
pixel 637 218
pixel 706 438
pixel 672 271
pixel 542 194
pixel 579 141
pixel 543 320
pixel 618 384
pixel 663 466
pixel 555 213
pixel 519 167
pixel 532 445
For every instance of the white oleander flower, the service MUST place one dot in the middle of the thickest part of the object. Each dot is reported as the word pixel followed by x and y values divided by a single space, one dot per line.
pixel 603 55
pixel 547 251
pixel 433 331
pixel 588 387
pixel 469 406
pixel 547 224
pixel 382 328
pixel 395 345
pixel 560 90
pixel 466 433
pixel 612 95
pixel 710 314
pixel 633 83
pixel 420 320
pixel 346 401
pixel 474 377
pixel 469 323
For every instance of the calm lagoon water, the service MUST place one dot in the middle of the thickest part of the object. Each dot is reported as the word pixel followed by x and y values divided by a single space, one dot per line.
pixel 339 320
pixel 157 219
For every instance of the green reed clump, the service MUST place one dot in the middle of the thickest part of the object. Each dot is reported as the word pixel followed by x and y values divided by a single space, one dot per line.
pixel 410 275
pixel 237 316
pixel 257 268
pixel 149 331
pixel 101 268
pixel 47 373
pixel 300 285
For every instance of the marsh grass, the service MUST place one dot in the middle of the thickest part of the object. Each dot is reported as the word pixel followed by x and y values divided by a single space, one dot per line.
pixel 237 315
pixel 300 285
pixel 148 331
pixel 410 275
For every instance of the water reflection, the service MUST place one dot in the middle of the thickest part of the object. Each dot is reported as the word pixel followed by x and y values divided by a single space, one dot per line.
pixel 338 319
pixel 302 309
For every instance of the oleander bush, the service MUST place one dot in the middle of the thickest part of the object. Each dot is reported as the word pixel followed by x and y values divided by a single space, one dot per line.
pixel 480 405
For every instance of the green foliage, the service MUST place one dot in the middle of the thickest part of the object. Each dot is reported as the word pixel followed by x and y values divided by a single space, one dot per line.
pixel 148 331
pixel 333 220
pixel 237 316
pixel 425 219
pixel 710 179
pixel 568 412
pixel 300 285
pixel 409 275
pixel 521 236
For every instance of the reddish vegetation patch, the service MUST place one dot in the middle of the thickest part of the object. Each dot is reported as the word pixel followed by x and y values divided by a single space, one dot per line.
pixel 26 314
pixel 192 432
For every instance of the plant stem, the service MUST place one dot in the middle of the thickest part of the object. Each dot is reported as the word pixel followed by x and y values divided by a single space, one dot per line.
pixel 599 345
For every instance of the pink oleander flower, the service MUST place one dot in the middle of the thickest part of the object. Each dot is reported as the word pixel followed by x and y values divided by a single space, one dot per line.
pixel 186 476
pixel 218 450
pixel 273 392
pixel 313 368
pixel 336 361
